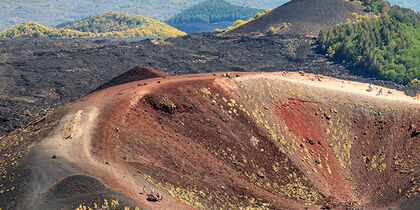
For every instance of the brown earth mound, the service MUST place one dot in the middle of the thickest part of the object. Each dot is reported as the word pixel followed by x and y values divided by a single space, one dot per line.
pixel 304 17
pixel 135 74
pixel 222 140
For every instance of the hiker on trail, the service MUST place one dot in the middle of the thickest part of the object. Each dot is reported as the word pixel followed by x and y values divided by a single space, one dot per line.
pixel 144 189
pixel 152 190
pixel 370 88
pixel 418 96
pixel 380 92
pixel 158 196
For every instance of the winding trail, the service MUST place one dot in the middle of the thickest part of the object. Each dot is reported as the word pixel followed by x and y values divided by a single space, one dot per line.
pixel 76 136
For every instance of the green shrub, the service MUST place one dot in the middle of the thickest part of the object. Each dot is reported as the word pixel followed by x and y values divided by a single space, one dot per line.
pixel 271 30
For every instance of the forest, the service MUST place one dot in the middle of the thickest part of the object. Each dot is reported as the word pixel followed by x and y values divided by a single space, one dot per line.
pixel 53 12
pixel 115 22
pixel 102 25
pixel 240 22
pixel 212 11
pixel 386 47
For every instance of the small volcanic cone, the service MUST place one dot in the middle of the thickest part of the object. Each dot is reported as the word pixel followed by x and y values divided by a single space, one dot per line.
pixel 303 17
pixel 219 141
pixel 135 74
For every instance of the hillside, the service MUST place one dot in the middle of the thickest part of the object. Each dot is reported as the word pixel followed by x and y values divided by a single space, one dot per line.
pixel 53 12
pixel 219 141
pixel 260 4
pixel 210 15
pixel 72 68
pixel 117 22
pixel 35 30
pixel 304 17
pixel 387 47
pixel 211 11
pixel 101 25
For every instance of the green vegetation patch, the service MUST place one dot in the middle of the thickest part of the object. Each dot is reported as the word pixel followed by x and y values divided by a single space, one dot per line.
pixel 101 25
pixel 387 47
pixel 35 30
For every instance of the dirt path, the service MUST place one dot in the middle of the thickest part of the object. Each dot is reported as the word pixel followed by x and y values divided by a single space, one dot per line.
pixel 344 86
pixel 73 141
pixel 76 133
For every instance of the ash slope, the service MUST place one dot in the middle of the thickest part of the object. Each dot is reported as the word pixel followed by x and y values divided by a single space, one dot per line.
pixel 37 76
pixel 135 74
pixel 306 17
pixel 259 140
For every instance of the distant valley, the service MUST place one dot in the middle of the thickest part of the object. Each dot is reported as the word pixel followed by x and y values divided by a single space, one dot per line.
pixel 210 15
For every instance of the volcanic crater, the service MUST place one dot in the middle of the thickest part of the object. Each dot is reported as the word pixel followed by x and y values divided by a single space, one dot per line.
pixel 221 140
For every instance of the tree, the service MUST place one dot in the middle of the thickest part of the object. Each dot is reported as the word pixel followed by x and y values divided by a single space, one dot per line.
pixel 387 47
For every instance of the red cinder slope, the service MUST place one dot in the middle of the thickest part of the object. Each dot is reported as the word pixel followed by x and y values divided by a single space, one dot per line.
pixel 256 140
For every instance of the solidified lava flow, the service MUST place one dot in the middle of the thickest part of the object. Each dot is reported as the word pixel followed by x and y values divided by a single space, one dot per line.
pixel 207 141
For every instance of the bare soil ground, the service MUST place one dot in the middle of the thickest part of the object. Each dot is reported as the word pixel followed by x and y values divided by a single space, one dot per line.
pixel 256 140
pixel 37 76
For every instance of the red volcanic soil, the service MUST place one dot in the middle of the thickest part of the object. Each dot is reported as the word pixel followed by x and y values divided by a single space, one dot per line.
pixel 301 117
pixel 234 140
pixel 304 17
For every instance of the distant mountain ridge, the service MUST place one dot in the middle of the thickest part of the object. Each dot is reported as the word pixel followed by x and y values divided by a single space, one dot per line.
pixel 212 11
pixel 101 25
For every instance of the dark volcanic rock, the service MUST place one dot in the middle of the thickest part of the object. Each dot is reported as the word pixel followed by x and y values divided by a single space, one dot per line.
pixel 83 188
pixel 39 75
